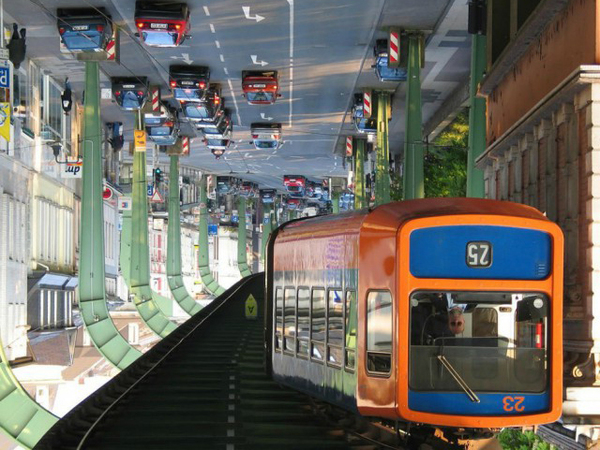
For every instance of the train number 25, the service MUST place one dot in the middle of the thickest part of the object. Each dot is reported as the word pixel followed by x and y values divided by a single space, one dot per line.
pixel 513 403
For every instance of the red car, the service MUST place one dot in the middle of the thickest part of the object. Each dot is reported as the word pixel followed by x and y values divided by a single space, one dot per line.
pixel 162 24
pixel 295 184
pixel 260 88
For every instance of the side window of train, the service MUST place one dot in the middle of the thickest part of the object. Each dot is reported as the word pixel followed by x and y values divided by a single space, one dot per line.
pixel 335 326
pixel 379 332
pixel 278 318
pixel 318 324
pixel 303 321
pixel 350 329
pixel 289 319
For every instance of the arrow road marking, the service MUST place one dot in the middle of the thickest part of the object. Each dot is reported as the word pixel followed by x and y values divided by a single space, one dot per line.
pixel 185 57
pixel 262 116
pixel 248 16
pixel 254 61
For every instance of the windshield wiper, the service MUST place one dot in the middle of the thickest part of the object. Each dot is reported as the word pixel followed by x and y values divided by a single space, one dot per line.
pixel 465 387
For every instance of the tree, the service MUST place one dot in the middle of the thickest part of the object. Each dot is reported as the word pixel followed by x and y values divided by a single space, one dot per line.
pixel 445 164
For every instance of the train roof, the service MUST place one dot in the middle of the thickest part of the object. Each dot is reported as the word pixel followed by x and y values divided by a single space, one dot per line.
pixel 395 213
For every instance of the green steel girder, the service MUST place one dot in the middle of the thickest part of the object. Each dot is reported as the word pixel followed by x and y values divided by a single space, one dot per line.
pixel 92 300
pixel 360 201
pixel 413 180
pixel 178 289
pixel 477 124
pixel 21 418
pixel 242 256
pixel 266 231
pixel 382 177
pixel 207 278
pixel 335 199
pixel 144 299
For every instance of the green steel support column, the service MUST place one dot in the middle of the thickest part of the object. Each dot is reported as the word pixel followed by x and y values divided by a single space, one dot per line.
pixel 382 177
pixel 125 252
pixel 203 263
pixel 178 289
pixel 92 300
pixel 24 421
pixel 475 184
pixel 144 299
pixel 242 256
pixel 359 175
pixel 335 202
pixel 413 141
pixel 267 228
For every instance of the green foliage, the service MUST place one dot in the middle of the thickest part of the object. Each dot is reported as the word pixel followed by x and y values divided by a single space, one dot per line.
pixel 513 439
pixel 445 163
pixel 395 187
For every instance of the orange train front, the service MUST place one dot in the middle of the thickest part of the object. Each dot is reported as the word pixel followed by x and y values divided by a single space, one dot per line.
pixel 445 312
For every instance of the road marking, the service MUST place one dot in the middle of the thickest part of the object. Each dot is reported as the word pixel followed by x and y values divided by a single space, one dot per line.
pixel 218 44
pixel 225 70
pixel 222 58
pixel 237 112
pixel 206 10
pixel 255 60
pixel 291 96
pixel 185 57
pixel 263 117
pixel 256 17
pixel 212 27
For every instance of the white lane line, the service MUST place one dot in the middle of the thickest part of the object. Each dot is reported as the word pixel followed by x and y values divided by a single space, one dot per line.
pixel 225 70
pixel 291 96
pixel 222 58
pixel 212 27
pixel 206 10
pixel 237 112
pixel 218 44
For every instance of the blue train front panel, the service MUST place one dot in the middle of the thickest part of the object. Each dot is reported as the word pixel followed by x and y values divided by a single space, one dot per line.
pixel 476 352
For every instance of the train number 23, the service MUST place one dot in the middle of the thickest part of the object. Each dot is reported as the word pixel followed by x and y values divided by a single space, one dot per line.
pixel 513 403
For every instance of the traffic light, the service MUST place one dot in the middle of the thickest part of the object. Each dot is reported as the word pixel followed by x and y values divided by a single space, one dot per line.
pixel 157 176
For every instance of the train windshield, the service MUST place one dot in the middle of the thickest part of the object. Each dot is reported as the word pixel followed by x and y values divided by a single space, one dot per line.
pixel 479 341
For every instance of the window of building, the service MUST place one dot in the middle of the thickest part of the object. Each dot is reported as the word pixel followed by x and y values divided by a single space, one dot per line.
pixel 318 324
pixel 379 332
pixel 303 321
pixel 350 329
pixel 289 318
pixel 335 326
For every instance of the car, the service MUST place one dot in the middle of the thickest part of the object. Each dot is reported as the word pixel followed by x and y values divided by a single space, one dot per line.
pixel 223 128
pixel 268 195
pixel 295 185
pixel 362 124
pixel 383 72
pixel 84 29
pixel 313 189
pixel 293 203
pixel 260 88
pixel 162 24
pixel 162 127
pixel 206 113
pixel 227 185
pixel 266 135
pixel 189 83
pixel 218 146
pixel 248 189
pixel 130 93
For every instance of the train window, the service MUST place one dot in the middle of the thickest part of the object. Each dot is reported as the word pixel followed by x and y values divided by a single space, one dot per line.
pixel 318 324
pixel 490 341
pixel 278 318
pixel 289 319
pixel 335 326
pixel 379 332
pixel 303 321
pixel 350 329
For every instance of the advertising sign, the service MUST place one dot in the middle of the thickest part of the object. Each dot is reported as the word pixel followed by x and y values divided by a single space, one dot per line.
pixel 5 120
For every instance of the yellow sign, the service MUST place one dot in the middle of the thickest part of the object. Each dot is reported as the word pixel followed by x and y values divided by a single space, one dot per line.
pixel 251 307
pixel 5 120
pixel 139 137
